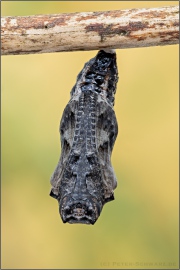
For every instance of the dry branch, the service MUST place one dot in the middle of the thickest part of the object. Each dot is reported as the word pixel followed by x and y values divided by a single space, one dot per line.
pixel 90 30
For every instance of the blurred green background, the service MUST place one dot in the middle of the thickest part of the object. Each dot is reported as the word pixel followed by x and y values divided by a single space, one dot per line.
pixel 140 228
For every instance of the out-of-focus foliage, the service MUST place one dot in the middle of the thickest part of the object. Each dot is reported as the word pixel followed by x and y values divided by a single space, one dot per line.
pixel 140 228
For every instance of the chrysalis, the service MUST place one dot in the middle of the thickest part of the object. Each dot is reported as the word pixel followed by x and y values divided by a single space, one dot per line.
pixel 84 180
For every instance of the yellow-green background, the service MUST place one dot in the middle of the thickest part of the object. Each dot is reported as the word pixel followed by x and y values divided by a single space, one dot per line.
pixel 140 228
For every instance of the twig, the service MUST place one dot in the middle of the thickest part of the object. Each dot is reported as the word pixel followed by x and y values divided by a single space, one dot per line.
pixel 90 30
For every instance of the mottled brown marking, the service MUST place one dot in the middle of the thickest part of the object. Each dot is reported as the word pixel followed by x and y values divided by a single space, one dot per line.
pixel 84 18
pixel 151 14
pixel 29 22
pixel 94 15
pixel 160 24
pixel 135 26
pixel 175 24
pixel 57 21
pixel 23 52
pixel 112 13
pixel 34 40
pixel 108 30
pixel 169 35
pixel 139 38
pixel 115 29
pixel 37 22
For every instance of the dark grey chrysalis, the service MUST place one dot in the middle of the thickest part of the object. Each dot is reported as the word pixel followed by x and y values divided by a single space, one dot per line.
pixel 84 180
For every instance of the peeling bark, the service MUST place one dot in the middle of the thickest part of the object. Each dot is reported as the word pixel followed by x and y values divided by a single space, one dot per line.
pixel 115 29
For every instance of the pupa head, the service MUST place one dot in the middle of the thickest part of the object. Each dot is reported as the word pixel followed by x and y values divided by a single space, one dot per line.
pixel 80 211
